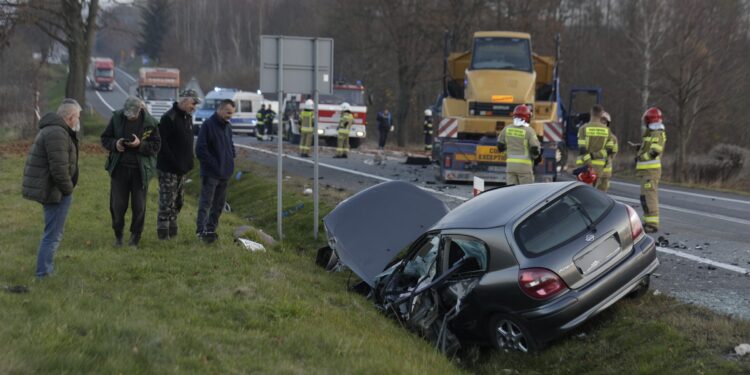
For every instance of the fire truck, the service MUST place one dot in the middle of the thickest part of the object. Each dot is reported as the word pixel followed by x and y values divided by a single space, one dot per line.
pixel 329 113
pixel 102 73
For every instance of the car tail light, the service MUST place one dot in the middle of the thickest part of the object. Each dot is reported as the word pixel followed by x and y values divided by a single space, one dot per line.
pixel 540 283
pixel 636 228
pixel 448 162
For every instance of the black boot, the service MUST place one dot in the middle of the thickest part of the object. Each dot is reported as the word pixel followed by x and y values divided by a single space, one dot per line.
pixel 118 239
pixel 134 239
pixel 162 233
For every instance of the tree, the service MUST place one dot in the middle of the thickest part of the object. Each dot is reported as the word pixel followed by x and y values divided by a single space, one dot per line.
pixel 72 23
pixel 155 25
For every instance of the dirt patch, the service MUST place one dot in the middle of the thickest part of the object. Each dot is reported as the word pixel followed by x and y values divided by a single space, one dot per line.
pixel 21 148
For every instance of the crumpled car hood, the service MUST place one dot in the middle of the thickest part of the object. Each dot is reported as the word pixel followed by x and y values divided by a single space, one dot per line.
pixel 370 228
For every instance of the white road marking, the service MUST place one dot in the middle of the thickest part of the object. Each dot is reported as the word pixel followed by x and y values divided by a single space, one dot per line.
pixel 103 101
pixel 460 198
pixel 687 211
pixel 661 189
pixel 351 171
pixel 698 259
pixel 121 89
pixel 127 75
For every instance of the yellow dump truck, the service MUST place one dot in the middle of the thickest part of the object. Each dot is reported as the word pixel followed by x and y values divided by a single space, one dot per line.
pixel 481 88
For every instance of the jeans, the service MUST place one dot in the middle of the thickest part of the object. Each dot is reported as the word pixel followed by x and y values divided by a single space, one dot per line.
pixel 54 222
pixel 211 204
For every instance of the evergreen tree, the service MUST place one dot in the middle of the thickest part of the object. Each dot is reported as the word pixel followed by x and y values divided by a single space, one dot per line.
pixel 155 19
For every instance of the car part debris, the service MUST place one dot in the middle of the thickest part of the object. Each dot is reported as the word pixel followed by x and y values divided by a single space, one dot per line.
pixel 307 191
pixel 742 349
pixel 657 292
pixel 412 159
pixel 661 241
pixel 227 207
pixel 249 245
pixel 290 211
pixel 16 289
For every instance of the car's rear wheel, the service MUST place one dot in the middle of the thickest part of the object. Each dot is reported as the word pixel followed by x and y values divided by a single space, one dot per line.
pixel 509 333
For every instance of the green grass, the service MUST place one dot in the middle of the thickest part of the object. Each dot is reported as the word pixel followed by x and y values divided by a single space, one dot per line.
pixel 185 307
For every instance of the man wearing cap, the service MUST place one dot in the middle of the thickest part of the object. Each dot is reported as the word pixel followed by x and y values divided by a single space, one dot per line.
pixel 175 160
pixel 132 138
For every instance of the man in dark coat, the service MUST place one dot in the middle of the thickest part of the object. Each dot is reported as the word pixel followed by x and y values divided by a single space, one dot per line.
pixel 132 138
pixel 175 160
pixel 385 125
pixel 215 152
pixel 50 174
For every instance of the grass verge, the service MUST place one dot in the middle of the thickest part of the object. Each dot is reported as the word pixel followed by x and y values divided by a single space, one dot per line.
pixel 184 307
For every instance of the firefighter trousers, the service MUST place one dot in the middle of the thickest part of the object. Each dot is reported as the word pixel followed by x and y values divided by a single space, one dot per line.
pixel 516 178
pixel 602 183
pixel 342 147
pixel 649 180
pixel 305 141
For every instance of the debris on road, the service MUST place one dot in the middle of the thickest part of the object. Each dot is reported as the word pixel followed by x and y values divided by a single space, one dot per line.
pixel 742 349
pixel 417 160
pixel 661 241
pixel 263 236
pixel 307 191
pixel 657 292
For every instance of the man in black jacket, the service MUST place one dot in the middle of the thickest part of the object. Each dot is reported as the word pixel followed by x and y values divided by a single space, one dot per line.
pixel 215 151
pixel 175 160
pixel 50 174
pixel 132 138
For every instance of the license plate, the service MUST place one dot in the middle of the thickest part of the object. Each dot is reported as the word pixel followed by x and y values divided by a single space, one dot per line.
pixel 489 154
pixel 594 258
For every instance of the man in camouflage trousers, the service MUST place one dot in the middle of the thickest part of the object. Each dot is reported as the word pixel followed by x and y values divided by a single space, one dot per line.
pixel 175 160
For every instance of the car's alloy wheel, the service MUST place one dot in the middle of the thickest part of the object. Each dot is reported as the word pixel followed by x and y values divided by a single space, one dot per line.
pixel 510 336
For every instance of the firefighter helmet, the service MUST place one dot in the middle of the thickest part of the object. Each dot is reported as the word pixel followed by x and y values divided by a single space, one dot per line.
pixel 652 115
pixel 345 107
pixel 522 112
pixel 607 118
pixel 587 176
pixel 309 104
pixel 428 112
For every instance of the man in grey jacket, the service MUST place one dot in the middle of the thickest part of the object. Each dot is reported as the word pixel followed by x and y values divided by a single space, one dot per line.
pixel 50 174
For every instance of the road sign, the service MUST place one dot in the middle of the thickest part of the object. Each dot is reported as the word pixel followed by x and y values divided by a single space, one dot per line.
pixel 298 63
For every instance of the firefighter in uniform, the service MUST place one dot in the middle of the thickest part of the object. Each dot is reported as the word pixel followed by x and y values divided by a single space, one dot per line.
pixel 306 128
pixel 595 143
pixel 603 180
pixel 345 125
pixel 648 167
pixel 268 127
pixel 260 121
pixel 522 147
pixel 427 129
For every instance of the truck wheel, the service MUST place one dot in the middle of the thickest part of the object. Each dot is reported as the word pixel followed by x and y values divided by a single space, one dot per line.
pixel 354 142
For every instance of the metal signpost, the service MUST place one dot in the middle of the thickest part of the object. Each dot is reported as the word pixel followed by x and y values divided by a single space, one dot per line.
pixel 302 66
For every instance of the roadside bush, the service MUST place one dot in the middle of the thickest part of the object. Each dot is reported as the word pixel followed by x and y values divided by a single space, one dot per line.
pixel 722 164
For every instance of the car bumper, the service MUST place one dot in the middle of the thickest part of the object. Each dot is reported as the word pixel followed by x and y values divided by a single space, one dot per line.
pixel 575 307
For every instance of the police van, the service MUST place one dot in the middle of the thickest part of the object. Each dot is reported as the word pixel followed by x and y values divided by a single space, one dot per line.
pixel 243 121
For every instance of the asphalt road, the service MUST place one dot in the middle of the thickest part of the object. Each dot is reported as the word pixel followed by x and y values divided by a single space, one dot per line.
pixel 706 260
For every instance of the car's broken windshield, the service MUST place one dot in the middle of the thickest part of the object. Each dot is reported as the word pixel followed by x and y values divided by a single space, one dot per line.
pixel 423 263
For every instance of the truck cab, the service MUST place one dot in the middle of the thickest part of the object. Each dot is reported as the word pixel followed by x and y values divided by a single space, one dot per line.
pixel 158 87
pixel 102 73
pixel 482 87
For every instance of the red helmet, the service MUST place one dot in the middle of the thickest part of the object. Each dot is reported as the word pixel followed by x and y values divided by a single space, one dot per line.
pixel 652 115
pixel 523 112
pixel 587 177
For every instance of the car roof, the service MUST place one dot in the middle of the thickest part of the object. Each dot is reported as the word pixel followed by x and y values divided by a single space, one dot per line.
pixel 495 208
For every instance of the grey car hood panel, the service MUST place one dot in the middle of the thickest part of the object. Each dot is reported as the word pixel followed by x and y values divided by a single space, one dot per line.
pixel 370 228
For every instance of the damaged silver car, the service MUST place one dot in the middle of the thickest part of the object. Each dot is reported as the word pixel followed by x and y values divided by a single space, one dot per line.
pixel 515 267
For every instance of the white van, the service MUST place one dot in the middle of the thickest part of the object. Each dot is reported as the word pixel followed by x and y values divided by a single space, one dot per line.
pixel 243 121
